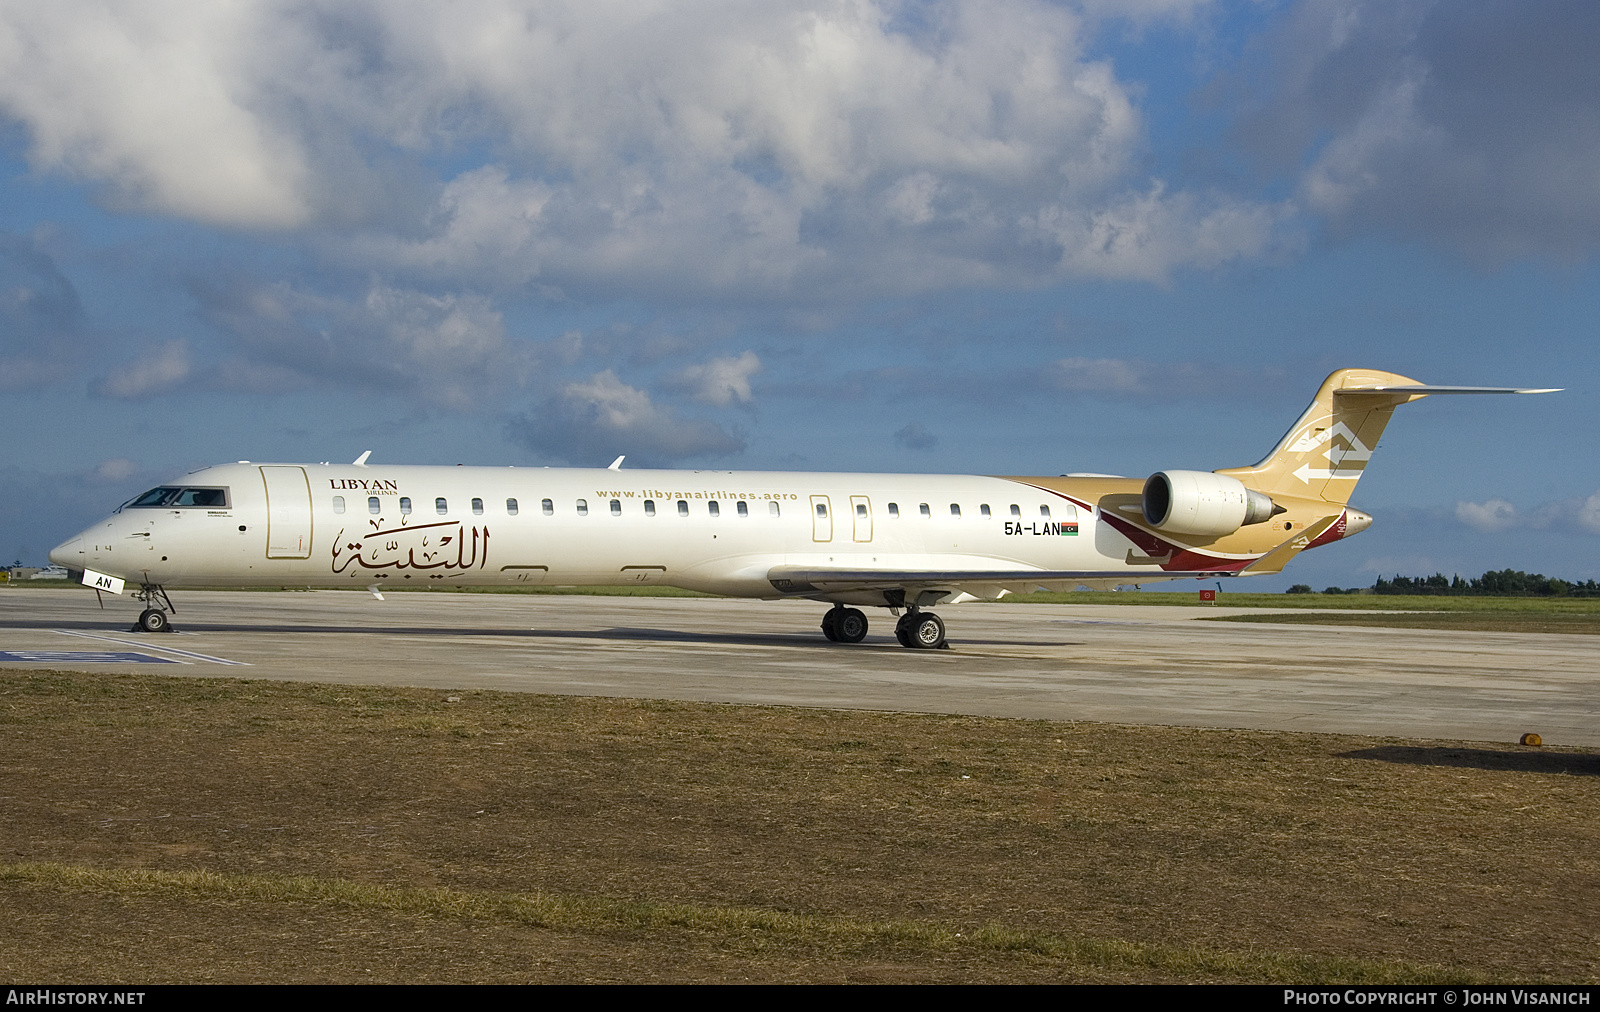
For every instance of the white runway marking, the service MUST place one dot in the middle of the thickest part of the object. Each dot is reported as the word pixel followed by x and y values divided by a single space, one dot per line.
pixel 152 646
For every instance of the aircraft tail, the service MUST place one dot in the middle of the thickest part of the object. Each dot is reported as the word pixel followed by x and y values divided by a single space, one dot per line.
pixel 1324 454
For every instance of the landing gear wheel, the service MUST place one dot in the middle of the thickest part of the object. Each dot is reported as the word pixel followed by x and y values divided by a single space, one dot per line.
pixel 927 633
pixel 902 629
pixel 850 626
pixel 153 620
pixel 830 624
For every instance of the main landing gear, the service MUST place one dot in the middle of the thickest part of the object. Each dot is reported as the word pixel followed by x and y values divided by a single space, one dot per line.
pixel 153 618
pixel 921 630
pixel 917 629
pixel 844 625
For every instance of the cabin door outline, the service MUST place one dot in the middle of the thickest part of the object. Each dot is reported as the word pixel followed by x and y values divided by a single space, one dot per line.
pixel 288 511
pixel 821 519
pixel 860 519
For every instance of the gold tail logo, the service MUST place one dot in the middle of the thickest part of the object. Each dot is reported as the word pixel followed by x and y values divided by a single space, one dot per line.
pixel 1326 451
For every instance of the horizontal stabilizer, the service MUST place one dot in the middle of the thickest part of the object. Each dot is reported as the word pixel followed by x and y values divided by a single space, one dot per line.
pixel 1420 388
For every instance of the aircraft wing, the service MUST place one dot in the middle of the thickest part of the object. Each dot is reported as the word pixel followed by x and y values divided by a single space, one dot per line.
pixel 979 583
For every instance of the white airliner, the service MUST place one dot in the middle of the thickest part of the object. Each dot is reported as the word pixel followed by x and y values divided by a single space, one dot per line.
pixel 906 542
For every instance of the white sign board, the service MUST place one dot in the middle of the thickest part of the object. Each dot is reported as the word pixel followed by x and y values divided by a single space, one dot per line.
pixel 100 581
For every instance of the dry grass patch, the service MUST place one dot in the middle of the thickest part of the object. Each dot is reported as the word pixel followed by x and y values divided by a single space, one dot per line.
pixel 691 841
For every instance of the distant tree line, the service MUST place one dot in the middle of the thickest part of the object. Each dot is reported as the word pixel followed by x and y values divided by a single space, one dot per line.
pixel 1501 583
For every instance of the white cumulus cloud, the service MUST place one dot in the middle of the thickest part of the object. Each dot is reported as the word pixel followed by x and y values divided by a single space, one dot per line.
pixel 800 149
pixel 721 381
pixel 1471 124
pixel 602 416
pixel 1489 517
pixel 449 350
pixel 1582 515
pixel 161 100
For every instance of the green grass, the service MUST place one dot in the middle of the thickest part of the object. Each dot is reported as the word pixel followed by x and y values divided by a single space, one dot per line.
pixel 1330 602
pixel 1503 620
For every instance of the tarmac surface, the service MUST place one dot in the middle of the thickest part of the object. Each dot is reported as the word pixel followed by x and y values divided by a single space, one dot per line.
pixel 1114 663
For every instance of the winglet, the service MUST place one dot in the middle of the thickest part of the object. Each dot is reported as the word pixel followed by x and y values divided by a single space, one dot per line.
pixel 616 465
pixel 1275 560
pixel 361 461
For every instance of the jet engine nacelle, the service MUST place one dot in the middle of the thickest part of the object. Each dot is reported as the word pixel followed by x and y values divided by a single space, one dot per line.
pixel 1199 502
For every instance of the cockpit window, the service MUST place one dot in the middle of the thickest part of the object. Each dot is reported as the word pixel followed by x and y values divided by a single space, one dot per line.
pixel 155 497
pixel 216 498
pixel 174 497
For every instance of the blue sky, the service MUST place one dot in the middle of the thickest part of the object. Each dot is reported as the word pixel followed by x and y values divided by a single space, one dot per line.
pixel 997 237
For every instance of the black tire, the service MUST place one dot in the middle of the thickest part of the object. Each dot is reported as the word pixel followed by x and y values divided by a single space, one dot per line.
pixel 928 632
pixel 154 620
pixel 851 626
pixel 830 624
pixel 902 631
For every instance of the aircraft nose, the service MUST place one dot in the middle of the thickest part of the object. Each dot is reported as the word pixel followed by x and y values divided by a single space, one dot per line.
pixel 68 553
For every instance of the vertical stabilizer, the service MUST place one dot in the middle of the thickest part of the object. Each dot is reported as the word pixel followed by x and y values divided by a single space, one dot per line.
pixel 1325 453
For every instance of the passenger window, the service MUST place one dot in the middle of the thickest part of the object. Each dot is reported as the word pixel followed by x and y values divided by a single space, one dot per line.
pixel 441 507
pixel 1016 510
pixel 616 507
pixel 983 510
pixel 548 507
pixel 894 510
pixel 1044 511
pixel 861 510
pixel 743 509
pixel 583 507
pixel 955 511
pixel 923 509
pixel 477 507
pixel 338 504
pixel 773 508
pixel 511 507
pixel 649 507
pixel 405 504
pixel 373 506
pixel 714 508
pixel 683 507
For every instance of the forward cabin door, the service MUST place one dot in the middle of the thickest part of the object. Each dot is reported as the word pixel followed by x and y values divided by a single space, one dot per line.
pixel 288 512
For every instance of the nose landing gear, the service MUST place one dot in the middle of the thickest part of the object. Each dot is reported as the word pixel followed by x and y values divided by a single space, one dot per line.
pixel 153 618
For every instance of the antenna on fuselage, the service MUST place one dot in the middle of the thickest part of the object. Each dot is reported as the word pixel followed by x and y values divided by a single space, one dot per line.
pixel 616 465
pixel 361 461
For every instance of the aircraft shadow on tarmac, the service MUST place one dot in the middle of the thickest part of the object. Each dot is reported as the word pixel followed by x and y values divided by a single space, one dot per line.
pixel 619 634
pixel 1576 764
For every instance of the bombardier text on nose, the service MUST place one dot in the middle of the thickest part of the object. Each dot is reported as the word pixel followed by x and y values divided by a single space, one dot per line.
pixel 896 541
